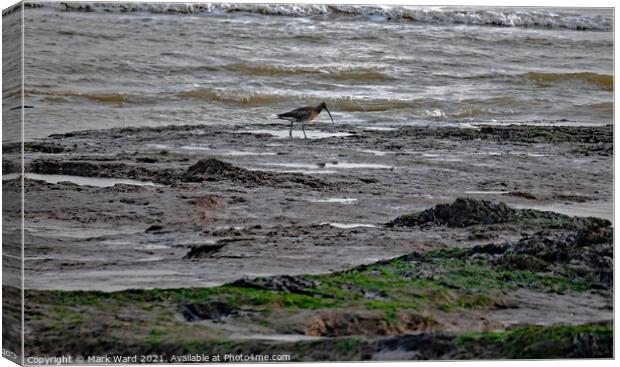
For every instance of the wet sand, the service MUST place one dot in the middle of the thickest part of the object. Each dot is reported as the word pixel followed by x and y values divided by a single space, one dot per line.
pixel 116 209
pixel 341 247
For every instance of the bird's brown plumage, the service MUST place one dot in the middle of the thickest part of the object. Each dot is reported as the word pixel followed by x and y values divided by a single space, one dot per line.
pixel 303 115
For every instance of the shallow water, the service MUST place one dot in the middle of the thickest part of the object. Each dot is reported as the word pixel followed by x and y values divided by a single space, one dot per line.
pixel 310 134
pixel 81 180
pixel 210 150
pixel 349 165
pixel 319 167
pixel 379 128
pixel 487 192
pixel 60 229
pixel 375 152
pixel 144 64
pixel 350 225
pixel 306 172
pixel 596 209
pixel 335 200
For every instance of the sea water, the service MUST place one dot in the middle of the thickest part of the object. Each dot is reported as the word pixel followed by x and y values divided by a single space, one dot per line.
pixel 103 65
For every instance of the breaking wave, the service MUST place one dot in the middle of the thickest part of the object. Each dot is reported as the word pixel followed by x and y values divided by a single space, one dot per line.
pixel 432 15
pixel 344 103
pixel 422 107
pixel 234 97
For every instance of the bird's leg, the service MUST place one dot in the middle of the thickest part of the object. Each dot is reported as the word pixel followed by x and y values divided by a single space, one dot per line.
pixel 303 128
pixel 290 132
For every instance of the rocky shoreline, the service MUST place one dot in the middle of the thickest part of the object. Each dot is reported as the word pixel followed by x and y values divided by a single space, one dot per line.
pixel 355 244
pixel 546 295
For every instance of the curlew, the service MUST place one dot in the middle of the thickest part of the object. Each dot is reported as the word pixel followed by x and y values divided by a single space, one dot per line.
pixel 304 115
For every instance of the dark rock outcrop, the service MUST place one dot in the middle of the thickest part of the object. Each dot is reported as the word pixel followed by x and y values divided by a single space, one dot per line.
pixel 207 311
pixel 463 212
pixel 466 212
pixel 585 254
pixel 101 169
pixel 423 346
pixel 202 251
pixel 599 135
pixel 285 283
pixel 33 146
pixel 577 249
pixel 212 169
pixel 591 345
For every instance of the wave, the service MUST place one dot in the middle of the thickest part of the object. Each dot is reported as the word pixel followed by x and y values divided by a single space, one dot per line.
pixel 369 105
pixel 431 15
pixel 345 103
pixel 606 108
pixel 104 98
pixel 501 108
pixel 423 107
pixel 603 81
pixel 234 97
pixel 545 79
pixel 337 72
pixel 426 108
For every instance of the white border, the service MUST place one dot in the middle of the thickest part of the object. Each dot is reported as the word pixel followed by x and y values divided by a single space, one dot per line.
pixel 499 3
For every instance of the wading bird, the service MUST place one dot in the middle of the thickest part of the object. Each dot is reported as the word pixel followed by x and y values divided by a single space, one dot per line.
pixel 303 115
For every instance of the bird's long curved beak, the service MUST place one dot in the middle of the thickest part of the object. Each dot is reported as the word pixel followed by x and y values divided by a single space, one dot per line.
pixel 330 115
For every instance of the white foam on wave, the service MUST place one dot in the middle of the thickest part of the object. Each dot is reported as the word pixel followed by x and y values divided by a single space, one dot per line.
pixel 431 15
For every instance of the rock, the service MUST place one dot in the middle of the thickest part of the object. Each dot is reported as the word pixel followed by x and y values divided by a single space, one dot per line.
pixel 33 146
pixel 147 160
pixel 523 262
pixel 285 283
pixel 590 345
pixel 586 253
pixel 202 251
pixel 101 169
pixel 594 230
pixel 132 201
pixel 369 323
pixel 11 166
pixel 521 194
pixel 49 148
pixel 419 346
pixel 594 136
pixel 207 311
pixel 212 169
pixel 463 212
pixel 154 228
pixel 575 198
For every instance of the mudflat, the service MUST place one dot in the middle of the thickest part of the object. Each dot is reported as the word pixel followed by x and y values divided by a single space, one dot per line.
pixel 357 243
